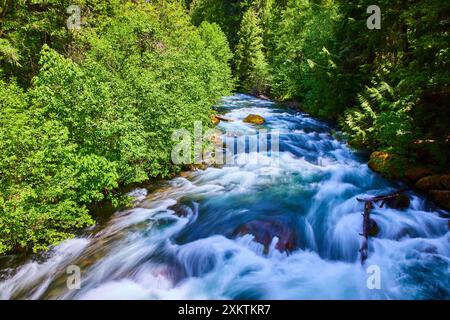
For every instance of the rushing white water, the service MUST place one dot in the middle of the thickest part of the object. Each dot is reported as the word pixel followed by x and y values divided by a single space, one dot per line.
pixel 306 193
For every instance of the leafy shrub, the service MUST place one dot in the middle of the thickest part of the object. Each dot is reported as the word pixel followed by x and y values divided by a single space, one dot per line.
pixel 102 117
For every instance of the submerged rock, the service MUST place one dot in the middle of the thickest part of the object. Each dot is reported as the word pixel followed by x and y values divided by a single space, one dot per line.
pixel 265 231
pixel 400 202
pixel 373 228
pixel 180 210
pixel 254 119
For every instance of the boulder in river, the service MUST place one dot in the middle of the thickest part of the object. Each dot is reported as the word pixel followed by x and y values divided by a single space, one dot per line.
pixel 254 119
pixel 438 187
pixel 400 202
pixel 265 231
pixel 180 210
pixel 434 182
pixel 373 228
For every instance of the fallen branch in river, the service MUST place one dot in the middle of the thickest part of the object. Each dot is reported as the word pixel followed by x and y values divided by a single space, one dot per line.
pixel 366 222
pixel 222 118
pixel 370 227
pixel 384 198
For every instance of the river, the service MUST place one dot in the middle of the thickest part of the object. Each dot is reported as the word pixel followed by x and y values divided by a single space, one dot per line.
pixel 284 228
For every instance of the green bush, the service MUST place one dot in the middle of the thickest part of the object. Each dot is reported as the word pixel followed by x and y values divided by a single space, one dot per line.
pixel 102 116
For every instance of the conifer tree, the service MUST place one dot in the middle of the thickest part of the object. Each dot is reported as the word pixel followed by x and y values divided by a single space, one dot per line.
pixel 251 65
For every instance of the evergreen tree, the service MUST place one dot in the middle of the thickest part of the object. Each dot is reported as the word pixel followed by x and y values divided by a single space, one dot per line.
pixel 251 65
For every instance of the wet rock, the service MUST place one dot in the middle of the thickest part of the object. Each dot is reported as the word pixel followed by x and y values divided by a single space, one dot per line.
pixel 215 121
pixel 265 231
pixel 400 202
pixel 180 210
pixel 441 198
pixel 373 228
pixel 254 119
pixel 414 173
pixel 387 164
pixel 196 166
pixel 378 160
pixel 434 182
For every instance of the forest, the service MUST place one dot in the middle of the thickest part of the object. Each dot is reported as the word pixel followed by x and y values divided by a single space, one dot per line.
pixel 86 111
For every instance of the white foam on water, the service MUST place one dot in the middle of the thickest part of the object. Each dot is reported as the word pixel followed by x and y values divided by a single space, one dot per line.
pixel 139 255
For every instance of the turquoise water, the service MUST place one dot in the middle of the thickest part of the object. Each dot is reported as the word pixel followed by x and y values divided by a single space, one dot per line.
pixel 284 225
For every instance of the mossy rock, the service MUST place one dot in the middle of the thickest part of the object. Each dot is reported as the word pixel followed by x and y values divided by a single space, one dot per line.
pixel 388 164
pixel 215 120
pixel 254 119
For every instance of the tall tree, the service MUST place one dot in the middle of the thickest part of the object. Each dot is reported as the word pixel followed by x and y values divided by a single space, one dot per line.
pixel 251 65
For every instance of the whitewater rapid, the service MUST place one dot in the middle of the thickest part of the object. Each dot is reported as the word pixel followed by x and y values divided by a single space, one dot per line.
pixel 308 190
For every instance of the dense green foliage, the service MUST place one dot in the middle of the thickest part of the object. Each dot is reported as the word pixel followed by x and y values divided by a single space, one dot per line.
pixel 86 111
pixel 388 88
pixel 83 112
pixel 250 61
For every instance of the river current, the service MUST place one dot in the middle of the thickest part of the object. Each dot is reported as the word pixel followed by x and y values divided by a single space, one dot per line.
pixel 287 226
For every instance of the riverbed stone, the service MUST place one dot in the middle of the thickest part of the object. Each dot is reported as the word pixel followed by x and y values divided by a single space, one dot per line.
pixel 254 119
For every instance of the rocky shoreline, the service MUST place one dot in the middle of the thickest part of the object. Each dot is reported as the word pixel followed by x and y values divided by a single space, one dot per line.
pixel 436 185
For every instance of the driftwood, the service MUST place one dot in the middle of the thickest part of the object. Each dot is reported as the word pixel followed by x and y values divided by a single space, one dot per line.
pixel 383 198
pixel 222 118
pixel 368 224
